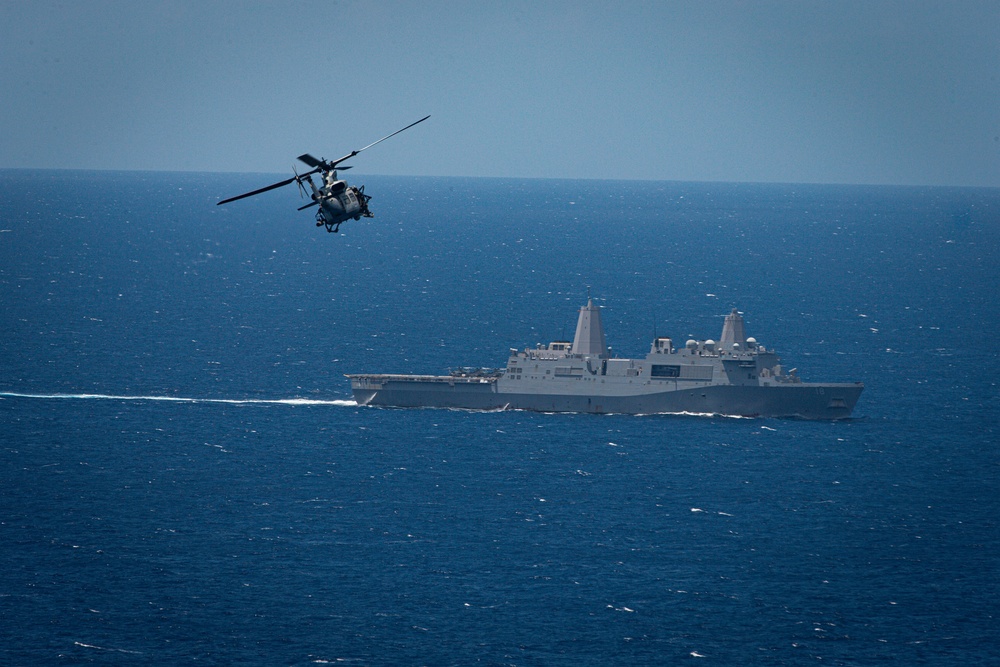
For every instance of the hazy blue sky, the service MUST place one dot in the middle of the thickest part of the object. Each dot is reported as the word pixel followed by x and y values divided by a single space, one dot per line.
pixel 899 92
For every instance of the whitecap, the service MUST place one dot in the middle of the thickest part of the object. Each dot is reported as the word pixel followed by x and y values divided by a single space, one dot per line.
pixel 188 399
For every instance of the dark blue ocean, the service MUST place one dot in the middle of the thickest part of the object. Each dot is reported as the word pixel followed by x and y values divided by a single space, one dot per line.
pixel 184 477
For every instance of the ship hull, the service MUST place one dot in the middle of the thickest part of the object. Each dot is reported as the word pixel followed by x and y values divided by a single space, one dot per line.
pixel 736 376
pixel 801 400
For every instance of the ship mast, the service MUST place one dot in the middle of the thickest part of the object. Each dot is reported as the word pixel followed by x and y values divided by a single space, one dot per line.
pixel 589 339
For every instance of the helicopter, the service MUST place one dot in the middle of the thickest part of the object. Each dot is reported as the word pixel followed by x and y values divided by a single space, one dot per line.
pixel 337 201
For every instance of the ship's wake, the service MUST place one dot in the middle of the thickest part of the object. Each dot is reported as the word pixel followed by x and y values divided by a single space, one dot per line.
pixel 184 399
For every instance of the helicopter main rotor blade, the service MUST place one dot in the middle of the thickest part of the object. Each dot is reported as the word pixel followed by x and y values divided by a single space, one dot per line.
pixel 309 160
pixel 394 133
pixel 353 153
pixel 302 208
pixel 257 192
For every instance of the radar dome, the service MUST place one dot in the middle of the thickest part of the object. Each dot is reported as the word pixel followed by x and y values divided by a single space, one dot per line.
pixel 691 344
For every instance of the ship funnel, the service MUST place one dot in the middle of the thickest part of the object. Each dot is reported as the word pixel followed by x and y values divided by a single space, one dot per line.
pixel 732 332
pixel 589 339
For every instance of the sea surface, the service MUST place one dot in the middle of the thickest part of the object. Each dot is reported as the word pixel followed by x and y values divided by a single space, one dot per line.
pixel 185 478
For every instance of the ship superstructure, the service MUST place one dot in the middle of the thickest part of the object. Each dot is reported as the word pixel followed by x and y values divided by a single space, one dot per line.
pixel 735 376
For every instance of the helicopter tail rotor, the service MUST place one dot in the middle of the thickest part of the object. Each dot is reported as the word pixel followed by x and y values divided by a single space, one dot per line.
pixel 298 182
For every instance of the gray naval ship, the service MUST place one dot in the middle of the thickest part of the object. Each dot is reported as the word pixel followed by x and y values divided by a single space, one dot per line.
pixel 735 376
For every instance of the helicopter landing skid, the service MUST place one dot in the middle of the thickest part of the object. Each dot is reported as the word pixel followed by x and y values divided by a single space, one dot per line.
pixel 330 227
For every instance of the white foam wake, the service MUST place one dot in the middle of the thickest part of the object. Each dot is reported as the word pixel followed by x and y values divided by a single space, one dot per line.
pixel 185 399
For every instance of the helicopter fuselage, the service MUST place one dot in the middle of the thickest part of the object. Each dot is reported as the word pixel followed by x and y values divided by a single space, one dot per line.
pixel 338 202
